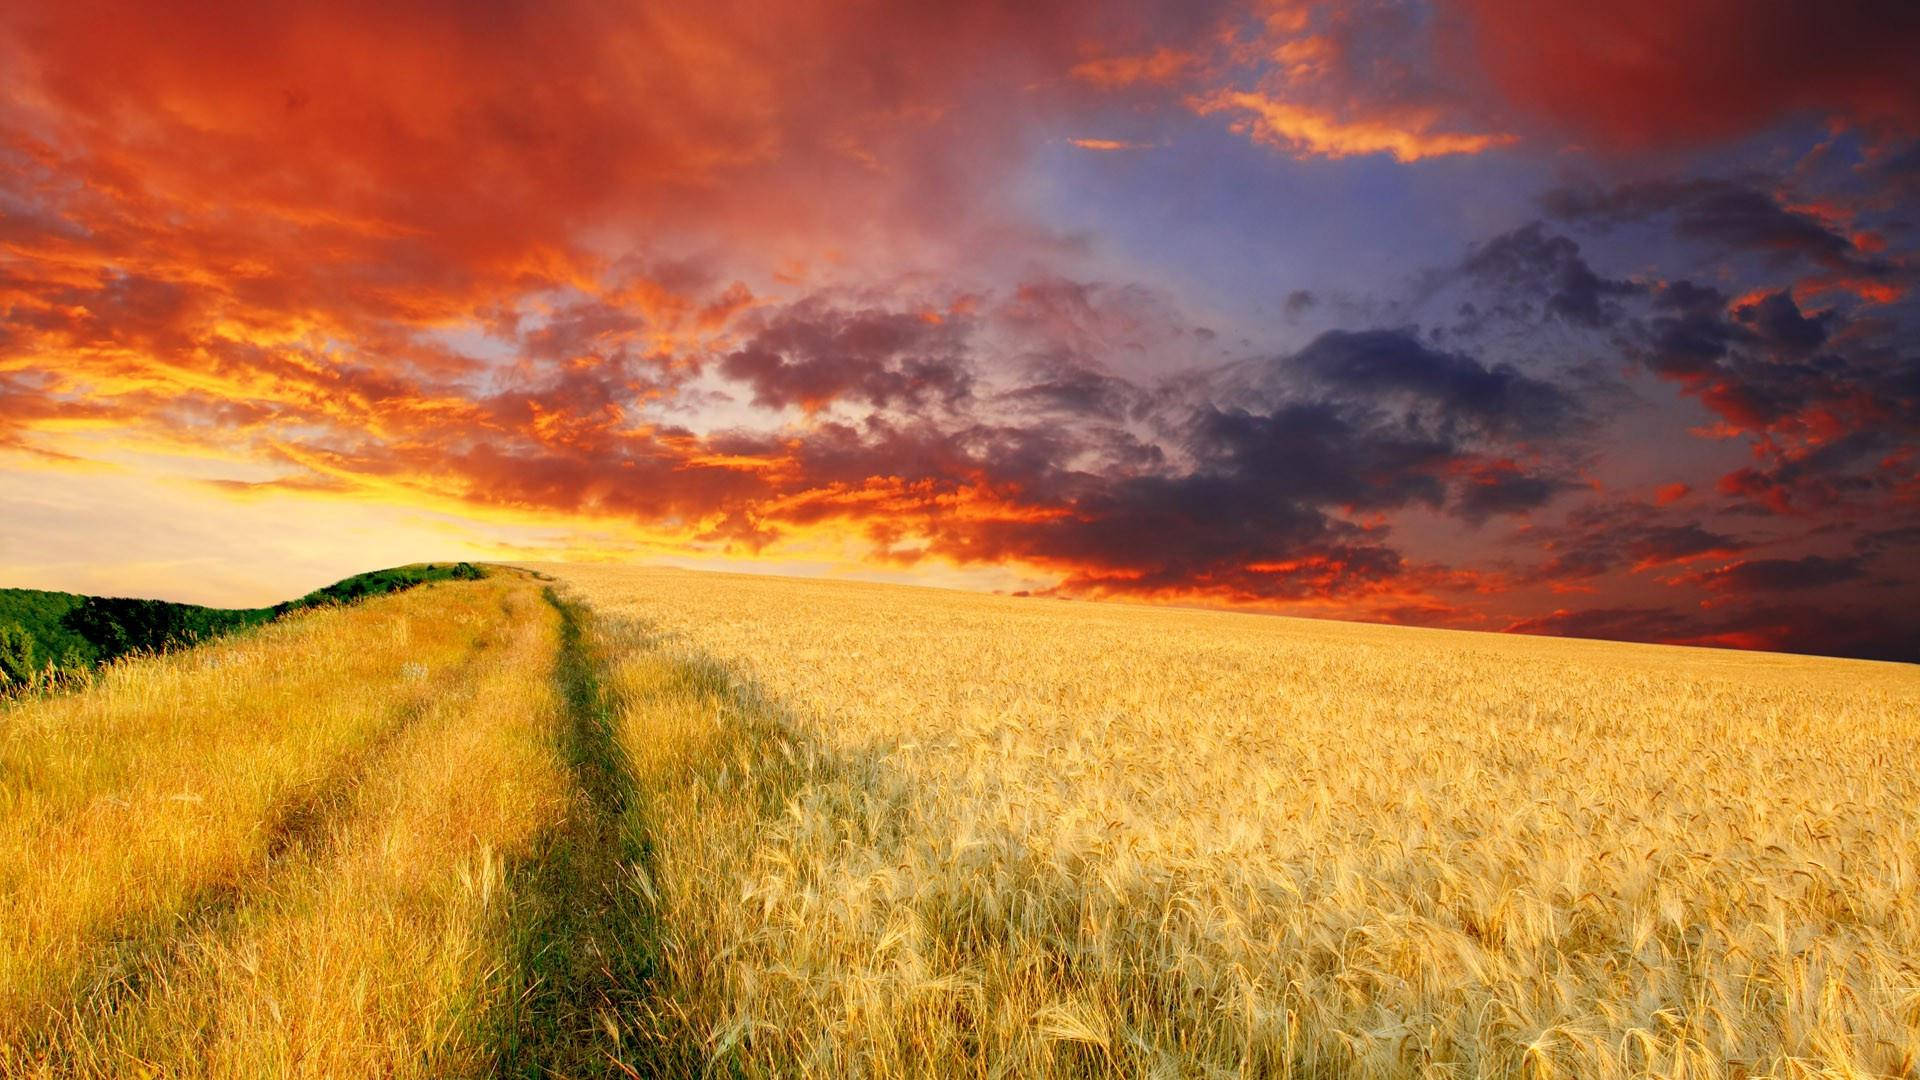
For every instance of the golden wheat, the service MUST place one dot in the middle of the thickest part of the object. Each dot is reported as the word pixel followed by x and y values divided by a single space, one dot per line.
pixel 286 854
pixel 760 827
pixel 905 832
pixel 375 953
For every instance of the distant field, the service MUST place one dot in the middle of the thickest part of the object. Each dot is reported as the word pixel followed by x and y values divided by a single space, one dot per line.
pixel 932 833
pixel 604 821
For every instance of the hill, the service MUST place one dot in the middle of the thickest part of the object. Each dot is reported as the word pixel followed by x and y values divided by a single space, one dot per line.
pixel 71 632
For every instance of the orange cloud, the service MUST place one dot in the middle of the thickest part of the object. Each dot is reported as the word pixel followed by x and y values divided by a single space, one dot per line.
pixel 1110 144
pixel 1310 79
pixel 553 277
pixel 1407 134
pixel 1162 67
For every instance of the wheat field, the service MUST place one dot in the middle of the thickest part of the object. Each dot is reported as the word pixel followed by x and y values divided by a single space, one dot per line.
pixel 582 821
pixel 323 848
pixel 909 832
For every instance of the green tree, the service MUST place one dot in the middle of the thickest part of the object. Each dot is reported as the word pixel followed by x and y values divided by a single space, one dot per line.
pixel 16 656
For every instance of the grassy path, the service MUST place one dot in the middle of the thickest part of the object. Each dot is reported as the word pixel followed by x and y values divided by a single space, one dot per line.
pixel 716 766
pixel 470 830
pixel 585 940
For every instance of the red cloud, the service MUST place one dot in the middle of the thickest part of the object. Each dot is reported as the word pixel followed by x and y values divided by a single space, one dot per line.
pixel 408 254
pixel 1161 67
pixel 1646 73
pixel 1668 494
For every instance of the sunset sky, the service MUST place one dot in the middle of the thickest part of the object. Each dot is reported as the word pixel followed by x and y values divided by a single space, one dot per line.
pixel 1563 317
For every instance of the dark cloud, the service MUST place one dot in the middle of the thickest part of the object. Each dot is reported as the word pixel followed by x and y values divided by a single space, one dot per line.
pixel 1318 453
pixel 1728 214
pixel 1355 422
pixel 811 354
pixel 1868 632
pixel 1250 498
pixel 1902 540
pixel 109 309
pixel 1234 524
pixel 1781 575
pixel 1688 332
pixel 1530 261
pixel 1060 383
pixel 1613 624
pixel 1779 322
pixel 1158 534
pixel 1896 172
pixel 1656 545
pixel 1822 474
pixel 1902 163
pixel 1603 537
pixel 1829 402
pixel 1457 393
pixel 1502 488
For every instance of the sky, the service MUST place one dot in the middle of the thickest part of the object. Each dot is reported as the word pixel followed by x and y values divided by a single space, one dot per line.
pixel 1564 317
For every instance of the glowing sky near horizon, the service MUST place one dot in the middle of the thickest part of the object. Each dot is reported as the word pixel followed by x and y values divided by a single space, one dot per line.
pixel 1560 317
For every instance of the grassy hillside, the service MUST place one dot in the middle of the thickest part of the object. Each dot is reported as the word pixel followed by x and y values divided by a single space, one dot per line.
pixel 632 822
pixel 69 632
pixel 41 617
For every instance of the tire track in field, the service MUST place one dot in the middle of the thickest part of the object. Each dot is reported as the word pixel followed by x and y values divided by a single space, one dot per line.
pixel 139 949
pixel 597 995
pixel 586 948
